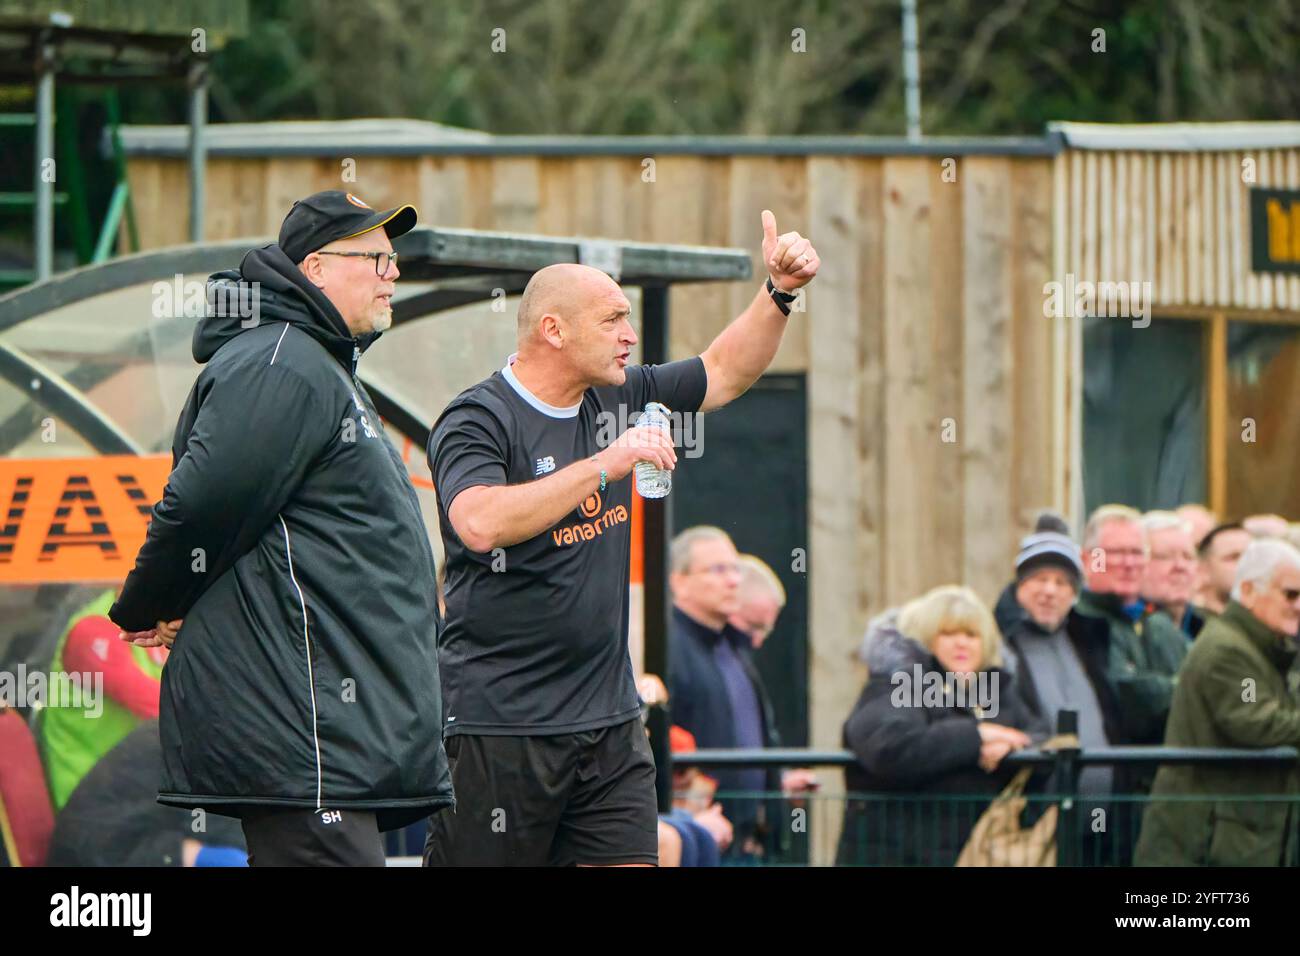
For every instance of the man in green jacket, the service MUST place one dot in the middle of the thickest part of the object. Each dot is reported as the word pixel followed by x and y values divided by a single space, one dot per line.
pixel 1233 693
pixel 1146 648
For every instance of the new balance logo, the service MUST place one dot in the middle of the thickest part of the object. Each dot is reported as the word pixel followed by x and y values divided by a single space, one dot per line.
pixel 544 465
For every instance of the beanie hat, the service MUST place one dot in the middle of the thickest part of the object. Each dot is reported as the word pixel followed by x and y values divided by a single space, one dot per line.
pixel 1049 546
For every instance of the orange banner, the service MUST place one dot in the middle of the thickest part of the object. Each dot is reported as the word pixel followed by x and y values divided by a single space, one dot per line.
pixel 76 519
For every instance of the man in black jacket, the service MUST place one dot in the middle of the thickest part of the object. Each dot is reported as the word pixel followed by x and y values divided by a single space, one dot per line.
pixel 714 688
pixel 1060 654
pixel 302 693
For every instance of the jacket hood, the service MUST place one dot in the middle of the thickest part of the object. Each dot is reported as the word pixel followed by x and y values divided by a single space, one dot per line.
pixel 886 649
pixel 268 287
pixel 1007 612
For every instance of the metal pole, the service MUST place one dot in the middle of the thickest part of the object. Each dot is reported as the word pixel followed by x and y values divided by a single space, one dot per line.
pixel 911 71
pixel 656 534
pixel 198 153
pixel 46 173
pixel 1069 826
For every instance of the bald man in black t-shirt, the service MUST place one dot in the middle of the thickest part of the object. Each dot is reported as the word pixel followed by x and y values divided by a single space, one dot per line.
pixel 549 759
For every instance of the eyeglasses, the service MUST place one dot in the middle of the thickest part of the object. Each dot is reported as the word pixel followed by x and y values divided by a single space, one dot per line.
pixel 1134 554
pixel 732 568
pixel 383 260
pixel 1169 556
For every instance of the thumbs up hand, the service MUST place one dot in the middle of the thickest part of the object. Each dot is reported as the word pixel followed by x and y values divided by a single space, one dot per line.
pixel 790 258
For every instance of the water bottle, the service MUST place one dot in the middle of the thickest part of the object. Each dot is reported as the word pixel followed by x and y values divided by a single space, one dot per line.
pixel 651 480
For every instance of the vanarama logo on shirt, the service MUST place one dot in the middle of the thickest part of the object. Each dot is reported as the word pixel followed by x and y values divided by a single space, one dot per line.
pixel 588 530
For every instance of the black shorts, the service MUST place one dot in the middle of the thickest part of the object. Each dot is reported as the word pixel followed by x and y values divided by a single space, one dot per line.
pixel 557 800
pixel 289 836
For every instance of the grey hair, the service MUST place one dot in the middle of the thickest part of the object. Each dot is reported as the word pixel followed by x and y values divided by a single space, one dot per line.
pixel 1106 514
pixel 679 555
pixel 755 573
pixel 1163 520
pixel 1260 561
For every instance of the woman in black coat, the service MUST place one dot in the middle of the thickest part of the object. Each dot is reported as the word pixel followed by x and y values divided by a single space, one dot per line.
pixel 930 737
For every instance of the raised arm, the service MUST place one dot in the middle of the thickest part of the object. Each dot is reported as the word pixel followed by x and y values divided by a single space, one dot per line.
pixel 745 348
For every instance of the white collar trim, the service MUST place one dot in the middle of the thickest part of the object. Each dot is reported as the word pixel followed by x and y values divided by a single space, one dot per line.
pixel 553 411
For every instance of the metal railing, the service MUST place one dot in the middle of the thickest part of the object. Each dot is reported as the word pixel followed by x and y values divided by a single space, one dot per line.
pixel 899 828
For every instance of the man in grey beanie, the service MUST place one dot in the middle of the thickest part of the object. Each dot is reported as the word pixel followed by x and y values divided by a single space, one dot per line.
pixel 1061 655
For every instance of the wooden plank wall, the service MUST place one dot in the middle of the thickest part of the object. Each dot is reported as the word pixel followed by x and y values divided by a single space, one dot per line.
pixel 1178 220
pixel 932 372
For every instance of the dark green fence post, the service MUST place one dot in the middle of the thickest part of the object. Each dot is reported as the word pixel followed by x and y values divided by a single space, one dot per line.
pixel 1069 839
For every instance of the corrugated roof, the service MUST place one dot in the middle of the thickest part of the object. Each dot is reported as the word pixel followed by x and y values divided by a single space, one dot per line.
pixel 1178 137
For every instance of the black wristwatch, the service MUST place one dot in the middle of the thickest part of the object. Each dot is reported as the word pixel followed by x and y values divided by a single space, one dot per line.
pixel 782 299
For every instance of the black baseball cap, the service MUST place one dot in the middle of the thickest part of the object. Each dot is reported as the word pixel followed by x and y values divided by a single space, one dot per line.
pixel 327 216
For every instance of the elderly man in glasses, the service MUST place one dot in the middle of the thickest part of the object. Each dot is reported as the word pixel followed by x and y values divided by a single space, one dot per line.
pixel 1170 579
pixel 1233 693
pixel 289 563
pixel 714 688
pixel 1146 647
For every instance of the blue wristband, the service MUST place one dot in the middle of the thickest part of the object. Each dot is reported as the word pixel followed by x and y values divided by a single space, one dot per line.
pixel 602 479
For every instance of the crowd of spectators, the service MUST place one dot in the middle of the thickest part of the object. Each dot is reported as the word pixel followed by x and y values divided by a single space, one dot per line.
pixel 1159 628
pixel 1169 627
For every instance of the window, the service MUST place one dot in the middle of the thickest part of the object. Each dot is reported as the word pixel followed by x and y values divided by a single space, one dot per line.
pixel 1263 420
pixel 1202 407
pixel 1143 413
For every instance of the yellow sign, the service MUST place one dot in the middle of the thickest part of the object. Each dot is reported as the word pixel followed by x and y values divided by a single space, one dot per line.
pixel 1275 230
pixel 76 519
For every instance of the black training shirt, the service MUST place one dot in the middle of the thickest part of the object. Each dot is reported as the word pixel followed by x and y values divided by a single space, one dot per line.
pixel 535 640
